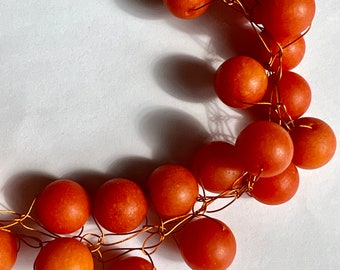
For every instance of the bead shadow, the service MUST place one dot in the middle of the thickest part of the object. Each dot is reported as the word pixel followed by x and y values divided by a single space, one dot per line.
pixel 227 31
pixel 145 9
pixel 185 77
pixel 134 168
pixel 169 251
pixel 21 189
pixel 89 179
pixel 172 135
pixel 235 31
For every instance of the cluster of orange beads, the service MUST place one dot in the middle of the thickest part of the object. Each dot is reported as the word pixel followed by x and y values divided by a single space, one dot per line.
pixel 263 162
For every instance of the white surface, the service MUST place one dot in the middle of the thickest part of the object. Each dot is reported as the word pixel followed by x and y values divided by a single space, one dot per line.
pixel 92 89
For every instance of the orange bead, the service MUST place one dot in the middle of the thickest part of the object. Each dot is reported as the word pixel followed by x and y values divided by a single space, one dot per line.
pixel 173 190
pixel 188 9
pixel 8 250
pixel 63 206
pixel 207 244
pixel 264 147
pixel 292 50
pixel 292 91
pixel 314 143
pixel 240 82
pixel 216 166
pixel 66 254
pixel 285 18
pixel 277 189
pixel 120 205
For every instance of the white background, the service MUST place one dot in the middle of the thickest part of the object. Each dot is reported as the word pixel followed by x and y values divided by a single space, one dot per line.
pixel 94 89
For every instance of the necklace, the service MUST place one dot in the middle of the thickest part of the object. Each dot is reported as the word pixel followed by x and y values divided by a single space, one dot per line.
pixel 248 155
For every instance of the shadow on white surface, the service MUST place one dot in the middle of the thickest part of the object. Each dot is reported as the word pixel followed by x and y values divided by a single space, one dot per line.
pixel 185 77
pixel 172 135
pixel 21 189
pixel 145 9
